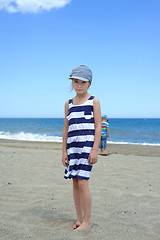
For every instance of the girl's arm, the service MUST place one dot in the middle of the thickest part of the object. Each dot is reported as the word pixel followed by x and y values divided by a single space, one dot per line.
pixel 97 120
pixel 65 136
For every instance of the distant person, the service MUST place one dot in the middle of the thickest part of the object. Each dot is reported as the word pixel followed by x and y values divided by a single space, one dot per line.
pixel 81 137
pixel 104 134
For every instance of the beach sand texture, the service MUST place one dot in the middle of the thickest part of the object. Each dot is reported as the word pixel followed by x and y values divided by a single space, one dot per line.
pixel 36 202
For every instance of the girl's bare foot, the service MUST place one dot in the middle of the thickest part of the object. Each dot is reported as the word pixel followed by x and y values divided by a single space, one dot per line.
pixel 76 225
pixel 84 225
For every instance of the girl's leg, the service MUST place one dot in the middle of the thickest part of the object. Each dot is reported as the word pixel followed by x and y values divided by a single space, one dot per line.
pixel 78 203
pixel 86 202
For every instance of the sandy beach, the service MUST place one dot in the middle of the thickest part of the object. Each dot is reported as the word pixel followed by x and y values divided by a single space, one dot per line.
pixel 36 201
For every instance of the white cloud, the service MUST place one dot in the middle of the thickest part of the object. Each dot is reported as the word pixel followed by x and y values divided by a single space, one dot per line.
pixel 33 6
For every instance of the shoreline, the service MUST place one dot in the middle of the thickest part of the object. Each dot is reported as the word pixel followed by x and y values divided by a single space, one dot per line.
pixel 57 139
pixel 126 149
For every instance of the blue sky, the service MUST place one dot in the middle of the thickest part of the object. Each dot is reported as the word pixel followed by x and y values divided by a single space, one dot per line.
pixel 41 43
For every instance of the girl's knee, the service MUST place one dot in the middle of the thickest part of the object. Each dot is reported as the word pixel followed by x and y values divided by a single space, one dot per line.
pixel 82 185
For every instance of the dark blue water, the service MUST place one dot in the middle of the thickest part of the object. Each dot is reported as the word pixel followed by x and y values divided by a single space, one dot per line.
pixel 135 130
pixel 122 130
pixel 49 126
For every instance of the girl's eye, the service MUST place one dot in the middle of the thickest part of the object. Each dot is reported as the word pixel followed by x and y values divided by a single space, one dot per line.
pixel 76 82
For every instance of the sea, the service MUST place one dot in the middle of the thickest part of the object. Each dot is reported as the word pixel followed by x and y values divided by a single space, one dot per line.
pixel 122 130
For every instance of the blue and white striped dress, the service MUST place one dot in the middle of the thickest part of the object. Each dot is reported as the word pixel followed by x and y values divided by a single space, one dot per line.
pixel 80 139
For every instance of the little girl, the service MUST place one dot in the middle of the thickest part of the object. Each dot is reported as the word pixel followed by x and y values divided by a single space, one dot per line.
pixel 81 137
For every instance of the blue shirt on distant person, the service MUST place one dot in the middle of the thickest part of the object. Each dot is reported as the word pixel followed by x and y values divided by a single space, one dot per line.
pixel 104 126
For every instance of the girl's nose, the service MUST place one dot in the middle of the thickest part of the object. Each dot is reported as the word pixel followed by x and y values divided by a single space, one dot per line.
pixel 80 84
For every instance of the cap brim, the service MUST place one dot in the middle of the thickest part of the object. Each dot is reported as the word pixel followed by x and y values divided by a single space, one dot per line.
pixel 79 78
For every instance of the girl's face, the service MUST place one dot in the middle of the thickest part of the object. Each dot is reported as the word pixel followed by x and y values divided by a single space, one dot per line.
pixel 79 86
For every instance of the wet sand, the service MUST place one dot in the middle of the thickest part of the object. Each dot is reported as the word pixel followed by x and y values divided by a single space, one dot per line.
pixel 36 201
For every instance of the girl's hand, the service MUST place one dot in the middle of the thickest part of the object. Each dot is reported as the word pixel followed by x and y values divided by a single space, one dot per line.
pixel 65 159
pixel 92 159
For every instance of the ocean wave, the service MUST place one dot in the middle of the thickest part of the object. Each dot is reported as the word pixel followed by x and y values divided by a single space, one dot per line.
pixel 144 144
pixel 29 137
pixel 44 138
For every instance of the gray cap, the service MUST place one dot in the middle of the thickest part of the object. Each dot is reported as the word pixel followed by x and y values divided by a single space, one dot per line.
pixel 82 73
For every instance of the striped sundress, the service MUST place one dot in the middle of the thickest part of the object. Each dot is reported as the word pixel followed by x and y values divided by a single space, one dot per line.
pixel 80 139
